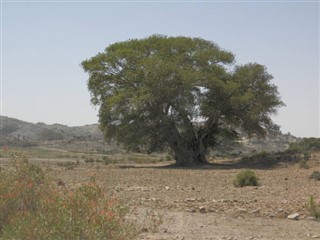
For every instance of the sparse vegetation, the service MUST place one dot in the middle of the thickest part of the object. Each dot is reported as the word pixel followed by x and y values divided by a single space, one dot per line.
pixel 89 160
pixel 246 178
pixel 303 164
pixel 313 208
pixel 68 165
pixel 305 145
pixel 32 206
pixel 315 175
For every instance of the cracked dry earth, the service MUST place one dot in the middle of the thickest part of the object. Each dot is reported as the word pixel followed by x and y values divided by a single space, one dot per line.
pixel 204 204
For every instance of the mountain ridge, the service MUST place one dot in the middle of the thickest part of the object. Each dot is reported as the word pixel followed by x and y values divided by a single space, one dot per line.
pixel 15 132
pixel 14 129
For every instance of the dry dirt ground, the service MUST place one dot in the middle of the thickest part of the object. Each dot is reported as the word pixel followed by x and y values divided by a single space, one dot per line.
pixel 203 203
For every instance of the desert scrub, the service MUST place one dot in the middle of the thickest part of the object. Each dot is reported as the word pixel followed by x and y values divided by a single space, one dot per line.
pixel 246 178
pixel 315 175
pixel 303 164
pixel 313 208
pixel 68 165
pixel 31 205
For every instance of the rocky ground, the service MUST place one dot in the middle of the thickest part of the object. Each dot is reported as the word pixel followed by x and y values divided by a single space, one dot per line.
pixel 203 203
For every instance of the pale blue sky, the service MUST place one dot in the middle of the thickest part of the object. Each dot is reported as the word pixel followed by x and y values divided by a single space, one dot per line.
pixel 43 44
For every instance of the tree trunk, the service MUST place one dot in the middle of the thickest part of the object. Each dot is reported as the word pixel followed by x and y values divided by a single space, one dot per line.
pixel 187 152
pixel 191 155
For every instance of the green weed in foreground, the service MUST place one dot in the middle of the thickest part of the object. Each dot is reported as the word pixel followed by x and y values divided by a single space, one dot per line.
pixel 32 207
pixel 313 208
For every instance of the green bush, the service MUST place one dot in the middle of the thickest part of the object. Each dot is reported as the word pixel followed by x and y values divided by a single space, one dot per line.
pixel 305 146
pixel 303 164
pixel 315 175
pixel 33 207
pixel 313 208
pixel 246 178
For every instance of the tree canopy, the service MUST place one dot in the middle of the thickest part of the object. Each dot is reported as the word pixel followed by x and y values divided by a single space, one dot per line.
pixel 180 93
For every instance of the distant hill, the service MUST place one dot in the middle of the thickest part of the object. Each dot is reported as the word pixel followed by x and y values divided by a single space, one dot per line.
pixel 17 132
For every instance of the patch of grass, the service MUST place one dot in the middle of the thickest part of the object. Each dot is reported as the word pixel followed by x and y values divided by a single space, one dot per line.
pixel 89 160
pixel 246 178
pixel 315 175
pixel 303 164
pixel 32 206
pixel 68 165
pixel 143 159
pixel 313 208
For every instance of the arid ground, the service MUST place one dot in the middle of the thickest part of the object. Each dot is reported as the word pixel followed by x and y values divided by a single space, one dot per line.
pixel 203 203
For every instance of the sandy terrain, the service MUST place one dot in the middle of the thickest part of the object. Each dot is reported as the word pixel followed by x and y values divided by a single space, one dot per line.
pixel 203 203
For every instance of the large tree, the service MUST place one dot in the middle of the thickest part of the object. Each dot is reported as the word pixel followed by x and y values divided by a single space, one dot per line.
pixel 180 93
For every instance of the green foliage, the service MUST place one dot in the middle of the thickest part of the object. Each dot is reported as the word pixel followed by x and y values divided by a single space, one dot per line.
pixel 246 178
pixel 153 91
pixel 315 175
pixel 32 207
pixel 303 164
pixel 305 146
pixel 313 208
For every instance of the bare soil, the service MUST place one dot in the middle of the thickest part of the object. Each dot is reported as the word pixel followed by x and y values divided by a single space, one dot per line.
pixel 203 203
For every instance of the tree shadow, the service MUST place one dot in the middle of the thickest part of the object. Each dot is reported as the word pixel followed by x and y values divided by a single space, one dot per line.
pixel 260 161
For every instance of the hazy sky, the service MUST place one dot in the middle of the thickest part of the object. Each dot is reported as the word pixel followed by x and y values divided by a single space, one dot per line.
pixel 43 44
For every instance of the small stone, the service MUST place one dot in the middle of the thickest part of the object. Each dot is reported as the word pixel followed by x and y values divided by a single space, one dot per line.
pixel 256 211
pixel 281 213
pixel 190 199
pixel 294 216
pixel 242 210
pixel 167 188
pixel 315 236
pixel 202 209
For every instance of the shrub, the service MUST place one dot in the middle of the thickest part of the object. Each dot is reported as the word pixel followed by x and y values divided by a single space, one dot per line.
pixel 315 175
pixel 305 145
pixel 68 165
pixel 246 178
pixel 32 206
pixel 89 160
pixel 303 164
pixel 313 208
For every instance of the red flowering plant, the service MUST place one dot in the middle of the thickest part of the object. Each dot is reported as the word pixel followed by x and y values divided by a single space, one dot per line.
pixel 32 206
